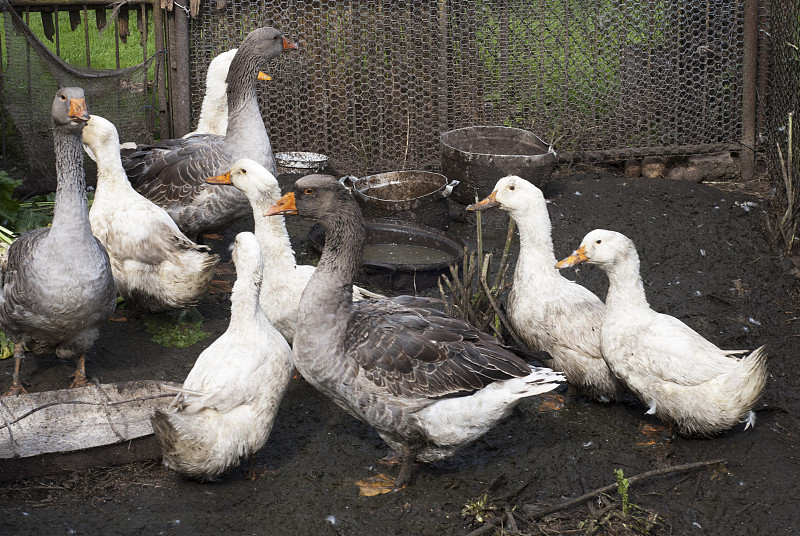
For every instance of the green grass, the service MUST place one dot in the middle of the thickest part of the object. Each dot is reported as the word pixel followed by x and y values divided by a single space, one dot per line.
pixel 102 47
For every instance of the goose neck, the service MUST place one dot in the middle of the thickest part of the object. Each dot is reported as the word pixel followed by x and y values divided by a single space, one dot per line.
pixel 625 286
pixel 70 207
pixel 535 244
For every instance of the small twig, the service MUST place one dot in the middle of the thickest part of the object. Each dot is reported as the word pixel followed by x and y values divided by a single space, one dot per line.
pixel 512 524
pixel 611 487
pixel 500 315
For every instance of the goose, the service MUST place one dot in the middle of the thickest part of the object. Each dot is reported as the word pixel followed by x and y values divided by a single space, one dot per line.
pixel 284 279
pixel 546 310
pixel 428 383
pixel 156 267
pixel 680 376
pixel 57 287
pixel 172 173
pixel 214 109
pixel 227 405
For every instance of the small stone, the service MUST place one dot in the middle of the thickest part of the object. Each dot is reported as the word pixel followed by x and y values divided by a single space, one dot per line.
pixel 633 168
pixel 654 167
pixel 685 173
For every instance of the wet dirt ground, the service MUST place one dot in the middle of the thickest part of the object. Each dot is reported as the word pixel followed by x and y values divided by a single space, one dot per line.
pixel 705 259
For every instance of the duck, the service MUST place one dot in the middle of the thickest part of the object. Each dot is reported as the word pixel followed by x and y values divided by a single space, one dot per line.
pixel 428 383
pixel 227 404
pixel 58 288
pixel 284 279
pixel 156 267
pixel 546 310
pixel 172 173
pixel 680 376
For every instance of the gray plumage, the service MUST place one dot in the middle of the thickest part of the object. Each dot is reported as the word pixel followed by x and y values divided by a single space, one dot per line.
pixel 57 286
pixel 172 173
pixel 428 383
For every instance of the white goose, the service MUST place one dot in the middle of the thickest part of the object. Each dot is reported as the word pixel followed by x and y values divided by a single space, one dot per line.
pixel 682 377
pixel 546 310
pixel 229 400
pixel 284 279
pixel 214 110
pixel 155 265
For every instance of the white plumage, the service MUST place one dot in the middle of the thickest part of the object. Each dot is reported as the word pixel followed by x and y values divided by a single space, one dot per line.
pixel 154 264
pixel 680 376
pixel 546 310
pixel 229 400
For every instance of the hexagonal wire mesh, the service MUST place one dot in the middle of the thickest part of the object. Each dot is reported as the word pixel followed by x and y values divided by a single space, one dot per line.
pixel 377 82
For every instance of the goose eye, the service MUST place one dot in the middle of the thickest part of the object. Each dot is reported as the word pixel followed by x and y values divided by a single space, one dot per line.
pixel 309 191
pixel 63 97
pixel 511 187
pixel 244 172
pixel 598 241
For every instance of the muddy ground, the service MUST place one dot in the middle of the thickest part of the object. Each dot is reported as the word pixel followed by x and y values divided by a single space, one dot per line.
pixel 705 259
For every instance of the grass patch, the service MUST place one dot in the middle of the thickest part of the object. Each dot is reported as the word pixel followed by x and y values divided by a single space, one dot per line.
pixel 176 331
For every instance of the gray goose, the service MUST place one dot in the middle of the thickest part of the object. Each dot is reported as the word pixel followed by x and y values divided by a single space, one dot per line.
pixel 284 279
pixel 57 286
pixel 172 173
pixel 429 384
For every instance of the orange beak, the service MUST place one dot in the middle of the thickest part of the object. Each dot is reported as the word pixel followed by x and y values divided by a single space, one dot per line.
pixel 77 110
pixel 288 45
pixel 578 256
pixel 489 202
pixel 284 205
pixel 264 76
pixel 225 178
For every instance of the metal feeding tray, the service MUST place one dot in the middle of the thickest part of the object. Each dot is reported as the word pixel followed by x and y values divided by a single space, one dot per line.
pixel 301 161
pixel 422 254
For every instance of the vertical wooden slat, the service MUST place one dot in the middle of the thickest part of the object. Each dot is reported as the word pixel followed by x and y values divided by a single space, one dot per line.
pixel 116 40
pixel 749 82
pixel 180 77
pixel 159 29
pixel 58 34
pixel 86 34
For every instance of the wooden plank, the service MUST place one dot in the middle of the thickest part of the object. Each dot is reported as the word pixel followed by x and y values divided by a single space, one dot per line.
pixel 76 419
pixel 36 5
pixel 136 450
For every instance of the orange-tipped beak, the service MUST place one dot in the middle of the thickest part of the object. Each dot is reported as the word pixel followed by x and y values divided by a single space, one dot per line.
pixel 264 76
pixel 578 256
pixel 225 178
pixel 284 205
pixel 288 45
pixel 77 110
pixel 489 202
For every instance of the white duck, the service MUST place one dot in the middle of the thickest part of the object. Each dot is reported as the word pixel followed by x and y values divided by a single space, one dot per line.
pixel 428 383
pixel 546 310
pixel 682 377
pixel 155 265
pixel 284 280
pixel 229 400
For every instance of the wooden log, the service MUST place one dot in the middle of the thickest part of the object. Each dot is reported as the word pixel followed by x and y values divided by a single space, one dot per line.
pixel 653 167
pixel 76 419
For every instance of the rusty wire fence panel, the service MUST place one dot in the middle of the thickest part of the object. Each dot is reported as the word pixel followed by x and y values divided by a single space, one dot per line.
pixel 377 82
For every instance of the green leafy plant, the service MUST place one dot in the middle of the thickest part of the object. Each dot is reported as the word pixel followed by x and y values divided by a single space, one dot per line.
pixel 180 332
pixel 622 491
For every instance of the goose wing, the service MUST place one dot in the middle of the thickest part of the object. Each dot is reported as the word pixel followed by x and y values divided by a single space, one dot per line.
pixel 176 170
pixel 411 349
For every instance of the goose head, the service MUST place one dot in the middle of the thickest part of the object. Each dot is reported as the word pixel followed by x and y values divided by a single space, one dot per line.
pixel 97 133
pixel 253 179
pixel 316 197
pixel 262 44
pixel 601 247
pixel 69 109
pixel 510 193
pixel 246 254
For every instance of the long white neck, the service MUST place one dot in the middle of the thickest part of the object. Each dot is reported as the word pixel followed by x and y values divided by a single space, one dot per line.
pixel 109 166
pixel 536 256
pixel 271 232
pixel 245 306
pixel 625 287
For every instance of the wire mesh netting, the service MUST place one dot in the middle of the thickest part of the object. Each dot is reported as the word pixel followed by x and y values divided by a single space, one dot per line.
pixel 376 82
pixel 31 76
pixel 782 53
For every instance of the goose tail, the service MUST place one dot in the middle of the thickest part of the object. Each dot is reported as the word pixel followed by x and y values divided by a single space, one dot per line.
pixel 187 444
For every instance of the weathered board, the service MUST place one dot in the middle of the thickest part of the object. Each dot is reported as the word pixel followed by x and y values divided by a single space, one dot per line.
pixel 52 424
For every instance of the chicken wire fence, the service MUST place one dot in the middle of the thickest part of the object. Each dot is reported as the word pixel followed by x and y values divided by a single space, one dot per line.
pixel 376 82
pixel 31 75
